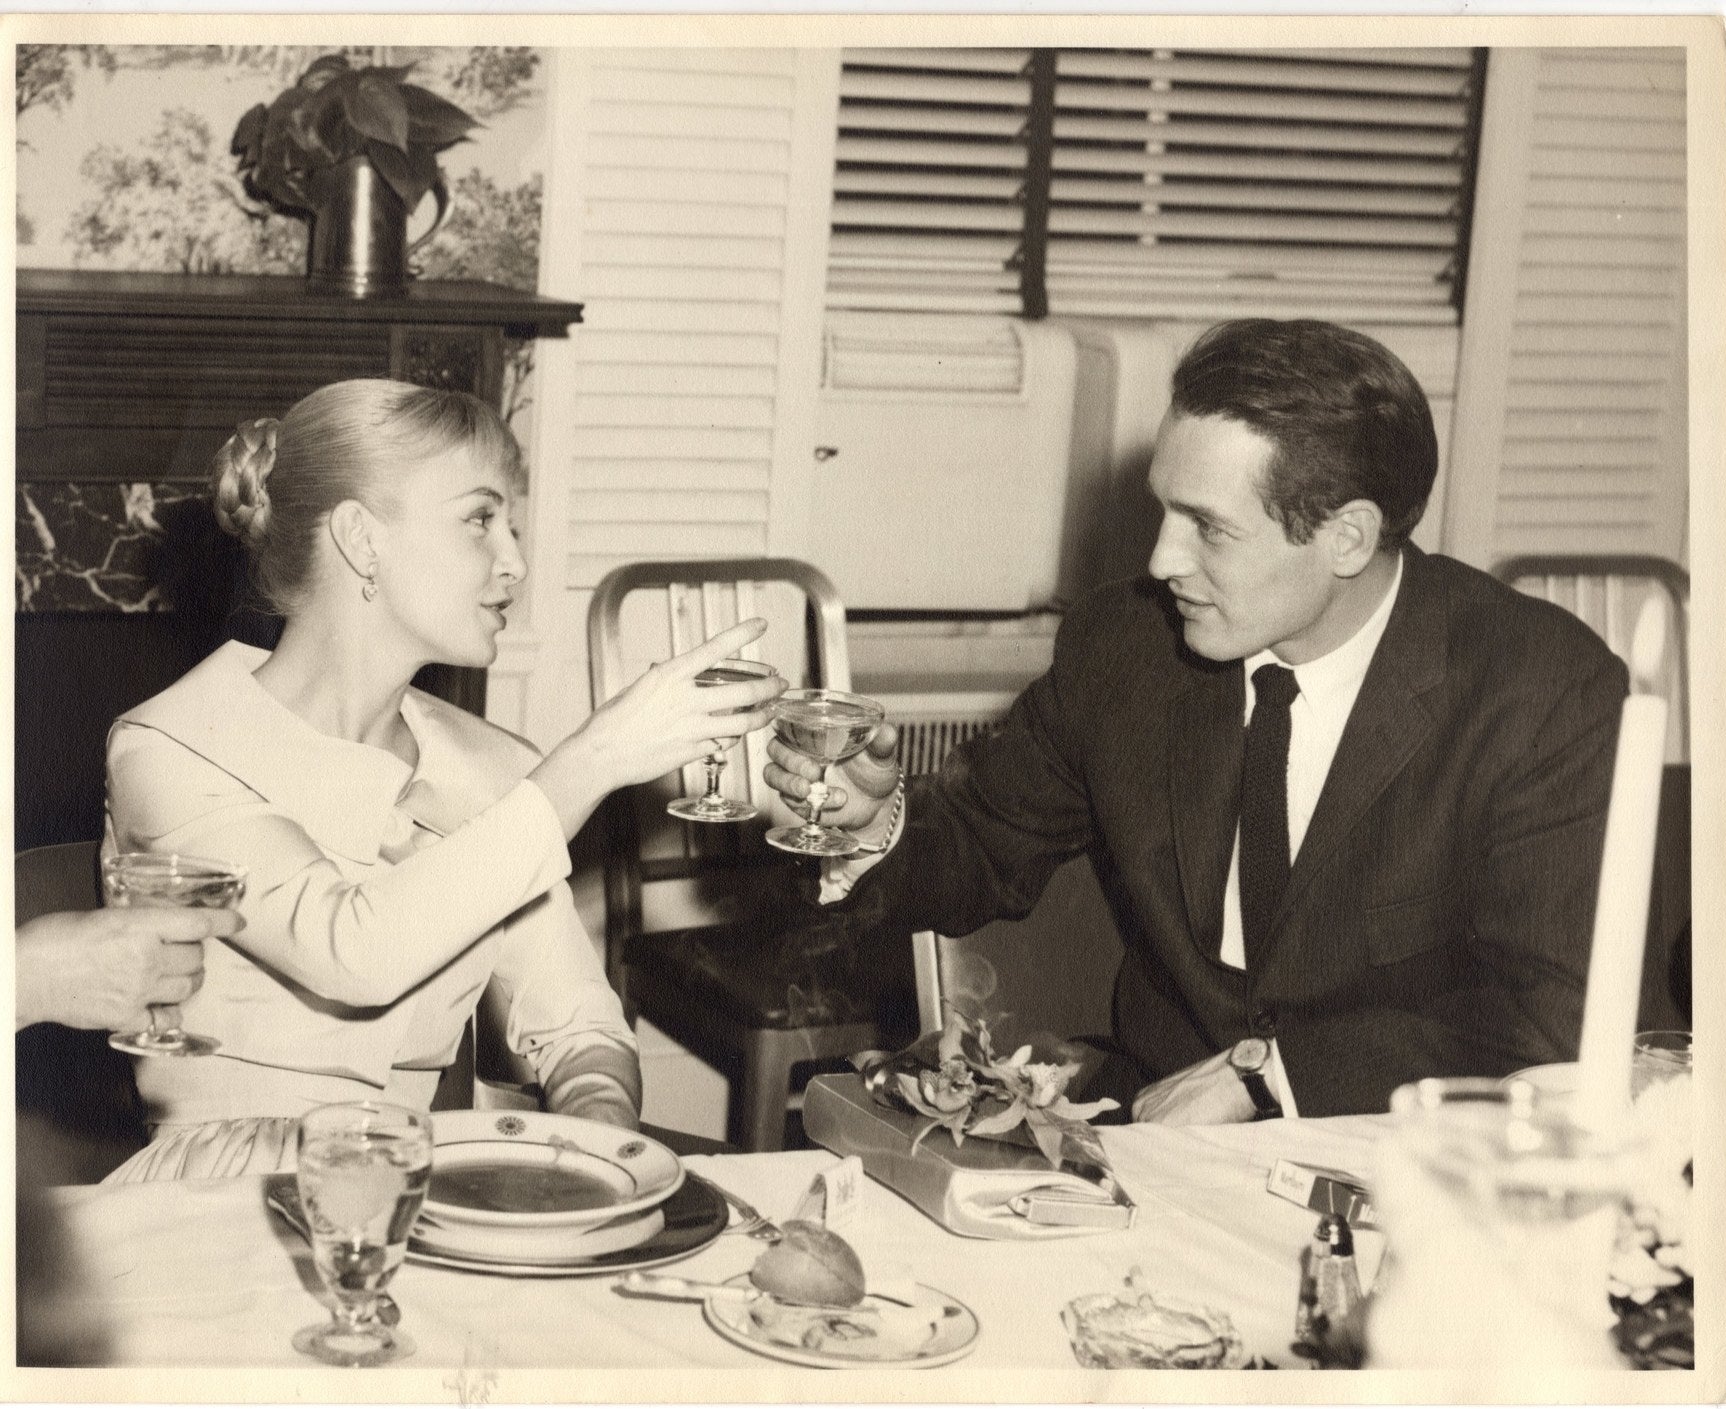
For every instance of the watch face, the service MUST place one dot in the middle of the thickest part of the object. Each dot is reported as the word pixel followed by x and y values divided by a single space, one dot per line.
pixel 1250 1053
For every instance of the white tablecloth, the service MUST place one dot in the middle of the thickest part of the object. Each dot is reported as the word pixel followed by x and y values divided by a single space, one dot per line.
pixel 200 1273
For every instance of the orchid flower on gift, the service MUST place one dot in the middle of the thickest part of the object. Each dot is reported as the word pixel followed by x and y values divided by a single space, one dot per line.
pixel 972 1091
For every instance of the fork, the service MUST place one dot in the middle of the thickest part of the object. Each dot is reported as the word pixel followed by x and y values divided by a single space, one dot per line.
pixel 751 1221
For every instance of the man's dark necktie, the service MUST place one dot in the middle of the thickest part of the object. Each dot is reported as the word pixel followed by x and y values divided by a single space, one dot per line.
pixel 1265 807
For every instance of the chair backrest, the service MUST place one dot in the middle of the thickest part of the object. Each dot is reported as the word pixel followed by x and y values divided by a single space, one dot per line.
pixel 73 1079
pixel 659 872
pixel 1053 971
pixel 46 879
pixel 1608 591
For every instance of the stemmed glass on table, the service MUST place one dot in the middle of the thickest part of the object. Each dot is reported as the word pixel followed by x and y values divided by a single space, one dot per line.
pixel 829 726
pixel 711 806
pixel 135 879
pixel 363 1171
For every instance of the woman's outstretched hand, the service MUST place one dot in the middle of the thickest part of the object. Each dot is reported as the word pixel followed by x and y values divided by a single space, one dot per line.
pixel 661 722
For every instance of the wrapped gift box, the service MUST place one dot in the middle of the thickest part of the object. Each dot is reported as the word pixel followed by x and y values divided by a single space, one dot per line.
pixel 984 1188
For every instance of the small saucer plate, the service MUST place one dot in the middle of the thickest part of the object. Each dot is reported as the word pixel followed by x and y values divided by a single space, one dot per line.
pixel 935 1329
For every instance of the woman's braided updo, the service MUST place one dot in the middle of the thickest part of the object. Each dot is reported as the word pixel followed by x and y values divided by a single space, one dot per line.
pixel 274 483
pixel 242 503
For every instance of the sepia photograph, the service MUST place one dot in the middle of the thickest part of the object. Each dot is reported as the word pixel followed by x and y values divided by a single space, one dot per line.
pixel 701 701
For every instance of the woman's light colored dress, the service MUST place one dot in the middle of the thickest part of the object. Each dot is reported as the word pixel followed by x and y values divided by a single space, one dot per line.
pixel 381 901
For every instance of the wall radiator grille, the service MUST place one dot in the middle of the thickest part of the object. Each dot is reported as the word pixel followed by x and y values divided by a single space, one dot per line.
pixel 930 725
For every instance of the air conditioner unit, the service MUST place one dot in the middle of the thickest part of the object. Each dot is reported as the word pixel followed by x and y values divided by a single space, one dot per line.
pixel 1124 372
pixel 941 462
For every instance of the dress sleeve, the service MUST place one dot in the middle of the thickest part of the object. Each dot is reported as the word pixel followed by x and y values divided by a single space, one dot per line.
pixel 364 943
pixel 564 1018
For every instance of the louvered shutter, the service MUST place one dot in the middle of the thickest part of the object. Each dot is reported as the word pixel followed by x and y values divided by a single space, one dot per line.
pixel 928 178
pixel 1571 409
pixel 1182 183
pixel 1294 183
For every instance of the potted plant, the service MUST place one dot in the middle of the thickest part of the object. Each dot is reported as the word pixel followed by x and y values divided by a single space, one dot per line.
pixel 355 150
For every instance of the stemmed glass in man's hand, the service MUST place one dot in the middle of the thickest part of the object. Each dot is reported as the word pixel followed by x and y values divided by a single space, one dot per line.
pixel 363 1171
pixel 135 879
pixel 710 806
pixel 829 726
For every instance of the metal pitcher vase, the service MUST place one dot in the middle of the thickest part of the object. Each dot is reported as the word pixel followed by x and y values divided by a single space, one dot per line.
pixel 359 243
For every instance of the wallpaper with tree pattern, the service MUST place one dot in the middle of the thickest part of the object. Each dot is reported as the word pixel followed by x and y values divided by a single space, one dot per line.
pixel 123 163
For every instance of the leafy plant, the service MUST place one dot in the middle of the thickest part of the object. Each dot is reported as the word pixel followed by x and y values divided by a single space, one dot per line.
pixel 974 1092
pixel 335 112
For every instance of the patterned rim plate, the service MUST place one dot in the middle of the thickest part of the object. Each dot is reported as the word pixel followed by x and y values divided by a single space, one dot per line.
pixel 694 1216
pixel 638 1171
pixel 935 1330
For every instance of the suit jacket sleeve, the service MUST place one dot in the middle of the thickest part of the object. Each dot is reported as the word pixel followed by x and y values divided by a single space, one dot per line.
pixel 1529 892
pixel 982 838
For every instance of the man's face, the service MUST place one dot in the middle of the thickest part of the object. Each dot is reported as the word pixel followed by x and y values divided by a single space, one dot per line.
pixel 1239 584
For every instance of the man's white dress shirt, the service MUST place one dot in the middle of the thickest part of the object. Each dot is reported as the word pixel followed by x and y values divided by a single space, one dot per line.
pixel 1328 689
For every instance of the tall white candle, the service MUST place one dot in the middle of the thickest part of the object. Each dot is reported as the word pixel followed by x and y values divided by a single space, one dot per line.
pixel 1626 874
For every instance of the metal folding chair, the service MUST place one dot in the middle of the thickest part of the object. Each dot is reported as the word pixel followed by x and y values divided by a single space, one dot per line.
pixel 696 916
pixel 1607 591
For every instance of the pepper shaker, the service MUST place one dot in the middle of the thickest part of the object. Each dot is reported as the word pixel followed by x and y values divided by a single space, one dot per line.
pixel 1330 1284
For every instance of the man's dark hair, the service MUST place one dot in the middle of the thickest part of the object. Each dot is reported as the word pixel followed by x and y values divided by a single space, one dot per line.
pixel 1348 420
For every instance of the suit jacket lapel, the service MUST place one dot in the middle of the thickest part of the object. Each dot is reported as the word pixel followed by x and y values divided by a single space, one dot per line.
pixel 1206 735
pixel 1388 723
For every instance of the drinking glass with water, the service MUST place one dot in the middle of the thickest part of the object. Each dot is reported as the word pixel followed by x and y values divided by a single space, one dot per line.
pixel 363 1171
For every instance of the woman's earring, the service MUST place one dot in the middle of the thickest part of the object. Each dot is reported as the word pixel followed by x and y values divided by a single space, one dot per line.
pixel 370 589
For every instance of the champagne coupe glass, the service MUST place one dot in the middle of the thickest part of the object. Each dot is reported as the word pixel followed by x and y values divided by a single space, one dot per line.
pixel 710 806
pixel 363 1171
pixel 146 878
pixel 829 726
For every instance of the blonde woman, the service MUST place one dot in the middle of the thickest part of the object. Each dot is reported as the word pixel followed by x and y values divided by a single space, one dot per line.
pixel 402 854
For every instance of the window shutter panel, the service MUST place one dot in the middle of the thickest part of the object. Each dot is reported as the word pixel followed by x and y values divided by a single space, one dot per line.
pixel 929 175
pixel 686 176
pixel 1571 417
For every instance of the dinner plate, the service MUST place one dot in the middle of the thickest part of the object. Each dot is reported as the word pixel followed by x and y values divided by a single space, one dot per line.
pixel 935 1329
pixel 695 1215
pixel 532 1169
pixel 544 1246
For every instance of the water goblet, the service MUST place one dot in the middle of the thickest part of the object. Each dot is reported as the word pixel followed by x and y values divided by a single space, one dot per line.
pixel 710 806
pixel 136 879
pixel 829 726
pixel 363 1171
pixel 1658 1057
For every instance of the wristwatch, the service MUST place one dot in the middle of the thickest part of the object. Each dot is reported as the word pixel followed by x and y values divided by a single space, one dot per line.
pixel 1249 1058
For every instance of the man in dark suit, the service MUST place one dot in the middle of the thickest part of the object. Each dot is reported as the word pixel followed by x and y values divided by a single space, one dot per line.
pixel 1352 796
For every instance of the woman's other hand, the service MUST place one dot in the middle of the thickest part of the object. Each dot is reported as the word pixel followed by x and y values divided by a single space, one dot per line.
pixel 661 722
pixel 104 969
